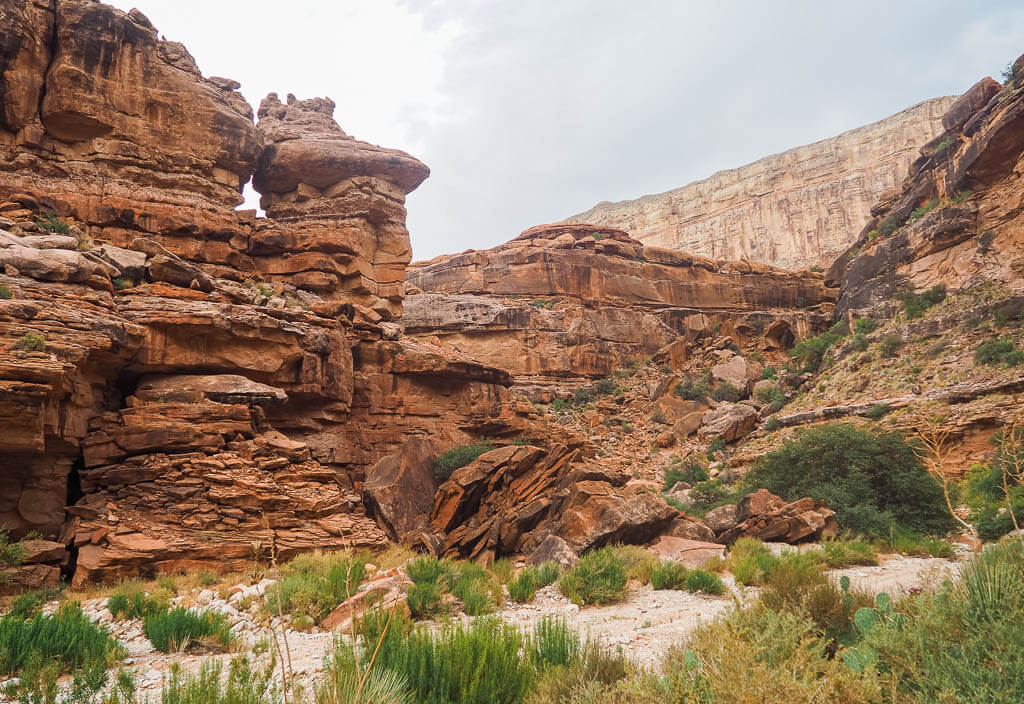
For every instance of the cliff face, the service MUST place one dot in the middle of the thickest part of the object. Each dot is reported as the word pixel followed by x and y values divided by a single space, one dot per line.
pixel 795 209
pixel 578 301
pixel 170 368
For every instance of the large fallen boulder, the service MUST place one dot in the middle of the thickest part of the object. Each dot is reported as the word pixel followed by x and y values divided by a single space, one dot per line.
pixel 765 516
pixel 399 489
pixel 730 421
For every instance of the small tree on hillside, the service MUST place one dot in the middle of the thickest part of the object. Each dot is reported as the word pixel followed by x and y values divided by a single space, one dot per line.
pixel 933 446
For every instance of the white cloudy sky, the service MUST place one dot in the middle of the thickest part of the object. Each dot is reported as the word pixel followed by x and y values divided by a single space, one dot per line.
pixel 528 111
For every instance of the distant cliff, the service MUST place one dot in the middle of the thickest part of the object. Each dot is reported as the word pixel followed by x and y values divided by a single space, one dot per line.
pixel 796 209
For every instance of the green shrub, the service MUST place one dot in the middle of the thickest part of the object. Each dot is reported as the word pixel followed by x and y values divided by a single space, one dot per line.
pixel 724 391
pixel 1001 351
pixel 130 601
pixel 888 226
pixel 691 470
pixel 553 644
pixel 28 604
pixel 548 573
pixel 858 343
pixel 915 304
pixel 49 223
pixel 244 684
pixel 669 575
pixel 523 587
pixel 582 396
pixel 11 554
pixel 773 397
pixel 865 326
pixel 66 639
pixel 924 209
pixel 844 553
pixel 175 631
pixel 5 292
pixel 890 345
pixel 424 600
pixel 771 425
pixel 599 578
pixel 502 569
pixel 713 493
pixel 768 373
pixel 640 562
pixel 542 303
pixel 427 569
pixel 694 389
pixel 604 387
pixel 560 405
pixel 457 458
pixel 31 342
pixel 809 353
pixel 477 663
pixel 120 283
pixel 908 542
pixel 314 583
pixel 878 411
pixel 873 481
pixel 703 581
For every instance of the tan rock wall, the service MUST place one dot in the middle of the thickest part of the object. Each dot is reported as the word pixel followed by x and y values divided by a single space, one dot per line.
pixel 795 209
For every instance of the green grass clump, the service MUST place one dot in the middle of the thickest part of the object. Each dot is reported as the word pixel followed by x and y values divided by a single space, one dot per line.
pixel 774 398
pixel 865 326
pixel 704 581
pixel 724 391
pixel 31 342
pixel 640 562
pixel 691 470
pixel 915 304
pixel 523 587
pixel 50 223
pixel 425 600
pixel 314 583
pixel 669 575
pixel 890 345
pixel 1002 351
pixel 5 292
pixel 769 373
pixel 245 684
pixel 908 542
pixel 553 644
pixel 599 578
pixel 924 209
pixel 878 411
pixel 872 480
pixel 846 553
pixel 66 639
pixel 694 389
pixel 12 554
pixel 458 457
pixel 548 573
pixel 808 354
pixel 502 569
pixel 175 631
pixel 28 604
pixel 130 601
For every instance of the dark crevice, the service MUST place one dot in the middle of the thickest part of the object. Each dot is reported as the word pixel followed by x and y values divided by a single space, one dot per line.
pixel 55 4
pixel 74 493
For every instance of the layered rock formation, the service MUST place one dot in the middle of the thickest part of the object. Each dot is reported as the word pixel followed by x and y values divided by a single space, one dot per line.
pixel 180 381
pixel 795 209
pixel 577 301
pixel 957 219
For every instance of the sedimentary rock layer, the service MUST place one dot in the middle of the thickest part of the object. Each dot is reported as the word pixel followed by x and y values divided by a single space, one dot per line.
pixel 795 209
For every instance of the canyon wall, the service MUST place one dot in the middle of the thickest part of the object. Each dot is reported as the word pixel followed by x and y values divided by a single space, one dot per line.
pixel 796 209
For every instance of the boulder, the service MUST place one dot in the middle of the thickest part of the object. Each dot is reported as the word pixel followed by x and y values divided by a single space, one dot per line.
pixel 734 371
pixel 596 514
pixel 684 526
pixel 178 272
pixel 767 517
pixel 688 424
pixel 14 580
pixel 38 551
pixel 553 549
pixel 399 489
pixel 730 421
pixel 61 265
pixel 722 518
pixel 692 553
pixel 130 263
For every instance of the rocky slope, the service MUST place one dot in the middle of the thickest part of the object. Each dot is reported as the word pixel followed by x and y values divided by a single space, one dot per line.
pixel 796 209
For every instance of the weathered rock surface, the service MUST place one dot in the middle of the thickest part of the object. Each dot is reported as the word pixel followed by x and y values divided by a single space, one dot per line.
pixel 692 553
pixel 577 301
pixel 967 182
pixel 764 516
pixel 400 489
pixel 795 209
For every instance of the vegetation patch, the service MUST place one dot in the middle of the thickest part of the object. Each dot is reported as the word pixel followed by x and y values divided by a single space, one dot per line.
pixel 694 389
pixel 915 304
pixel 691 470
pixel 49 222
pixel 31 342
pixel 599 578
pixel 5 292
pixel 313 584
pixel 177 630
pixel 873 481
pixel 448 461
pixel 808 354
pixel 1002 351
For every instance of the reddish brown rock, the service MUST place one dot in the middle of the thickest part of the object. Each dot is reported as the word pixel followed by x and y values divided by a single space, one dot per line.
pixel 692 553
pixel 553 549
pixel 400 489
pixel 764 516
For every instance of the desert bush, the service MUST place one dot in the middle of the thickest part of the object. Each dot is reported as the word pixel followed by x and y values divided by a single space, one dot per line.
pixel 846 553
pixel 669 575
pixel 599 578
pixel 29 603
pixel 31 342
pixel 769 373
pixel 774 397
pixel 865 326
pixel 703 581
pixel 502 569
pixel 12 553
pixel 314 583
pixel 915 304
pixel 873 481
pixel 552 644
pixel 878 411
pixel 691 470
pixel 640 563
pixel 245 684
pixel 908 542
pixel 1002 351
pixel 890 345
pixel 130 600
pixel 458 457
pixel 858 343
pixel 809 353
pixel 425 600
pixel 523 587
pixel 724 391
pixel 548 573
pixel 66 638
pixel 472 664
pixel 175 631
pixel 924 209
pixel 604 387
pixel 475 588
pixel 50 223
pixel 694 389
pixel 427 569
pixel 713 493
pixel 5 292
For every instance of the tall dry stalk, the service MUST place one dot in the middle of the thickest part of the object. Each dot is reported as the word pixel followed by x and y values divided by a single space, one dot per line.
pixel 933 433
pixel 1011 465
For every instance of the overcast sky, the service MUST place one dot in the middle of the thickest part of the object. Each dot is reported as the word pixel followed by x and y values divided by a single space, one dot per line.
pixel 528 111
